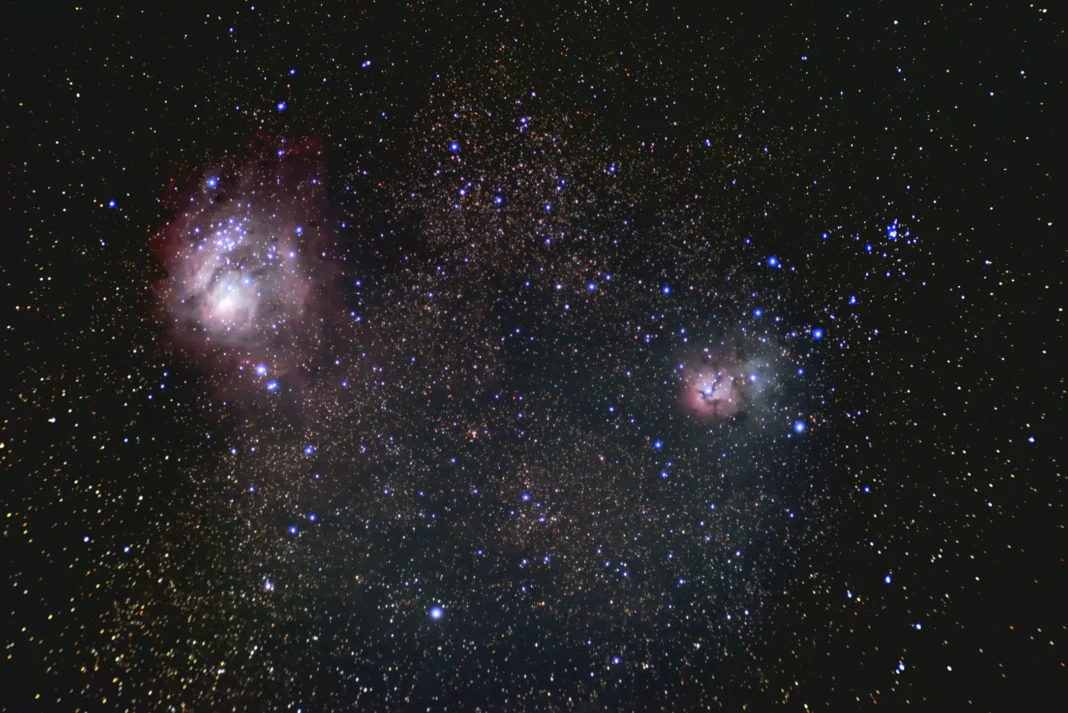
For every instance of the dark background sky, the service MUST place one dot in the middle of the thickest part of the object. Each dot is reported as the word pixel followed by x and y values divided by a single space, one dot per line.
pixel 941 117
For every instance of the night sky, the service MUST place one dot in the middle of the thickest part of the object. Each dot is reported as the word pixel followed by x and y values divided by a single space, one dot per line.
pixel 599 356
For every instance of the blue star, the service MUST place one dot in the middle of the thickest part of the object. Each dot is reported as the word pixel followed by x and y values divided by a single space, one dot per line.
pixel 758 312
pixel 281 106
pixel 773 261
pixel 112 203
pixel 658 445
pixel 817 333
pixel 436 612
pixel 666 289
pixel 272 385
pixel 454 146
pixel 799 426
pixel 212 183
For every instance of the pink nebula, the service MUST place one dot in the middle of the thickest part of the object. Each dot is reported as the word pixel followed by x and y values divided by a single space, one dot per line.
pixel 718 386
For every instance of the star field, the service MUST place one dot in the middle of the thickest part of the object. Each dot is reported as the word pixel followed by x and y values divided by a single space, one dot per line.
pixel 579 357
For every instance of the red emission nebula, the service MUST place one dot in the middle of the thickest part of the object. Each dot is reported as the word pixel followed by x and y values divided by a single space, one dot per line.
pixel 249 264
pixel 719 386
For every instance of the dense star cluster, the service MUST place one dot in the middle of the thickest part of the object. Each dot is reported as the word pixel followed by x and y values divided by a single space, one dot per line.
pixel 597 357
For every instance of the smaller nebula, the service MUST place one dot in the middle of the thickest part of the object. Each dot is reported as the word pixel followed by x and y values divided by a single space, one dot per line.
pixel 722 384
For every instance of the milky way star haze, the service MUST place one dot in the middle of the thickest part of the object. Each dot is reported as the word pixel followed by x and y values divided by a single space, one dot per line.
pixel 249 264
pixel 616 357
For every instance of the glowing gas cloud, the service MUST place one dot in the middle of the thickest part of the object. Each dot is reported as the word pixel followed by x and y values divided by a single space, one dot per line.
pixel 249 264
pixel 722 383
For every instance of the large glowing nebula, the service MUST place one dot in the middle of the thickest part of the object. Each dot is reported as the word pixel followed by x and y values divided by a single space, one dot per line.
pixel 248 262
